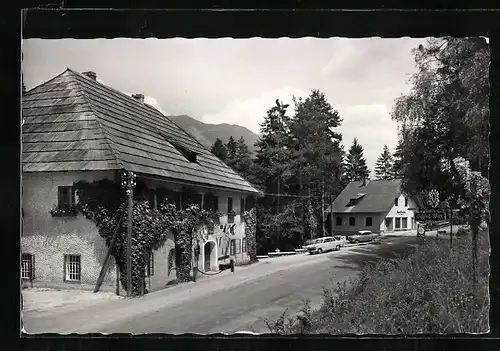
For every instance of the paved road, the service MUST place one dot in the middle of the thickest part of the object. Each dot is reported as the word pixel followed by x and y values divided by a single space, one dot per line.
pixel 227 303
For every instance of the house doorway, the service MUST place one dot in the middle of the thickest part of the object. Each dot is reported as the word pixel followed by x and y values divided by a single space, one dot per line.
pixel 209 251
pixel 389 225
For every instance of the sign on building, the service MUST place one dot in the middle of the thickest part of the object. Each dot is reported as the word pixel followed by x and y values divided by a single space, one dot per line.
pixel 430 215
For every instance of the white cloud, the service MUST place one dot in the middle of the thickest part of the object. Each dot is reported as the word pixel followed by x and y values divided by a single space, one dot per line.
pixel 151 101
pixel 250 112
pixel 372 126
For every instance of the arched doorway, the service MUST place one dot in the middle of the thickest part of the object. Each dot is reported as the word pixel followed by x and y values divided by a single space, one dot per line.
pixel 209 255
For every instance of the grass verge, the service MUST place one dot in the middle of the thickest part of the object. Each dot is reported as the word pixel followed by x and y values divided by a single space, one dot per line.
pixel 428 291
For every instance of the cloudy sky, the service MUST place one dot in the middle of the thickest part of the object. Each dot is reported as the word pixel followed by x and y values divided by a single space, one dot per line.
pixel 236 81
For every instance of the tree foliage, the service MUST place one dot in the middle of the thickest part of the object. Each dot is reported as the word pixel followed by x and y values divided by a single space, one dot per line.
pixel 355 168
pixel 231 152
pixel 474 202
pixel 299 156
pixel 219 150
pixel 445 115
pixel 384 168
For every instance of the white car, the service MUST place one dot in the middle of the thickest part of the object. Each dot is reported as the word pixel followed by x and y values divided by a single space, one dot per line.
pixel 327 243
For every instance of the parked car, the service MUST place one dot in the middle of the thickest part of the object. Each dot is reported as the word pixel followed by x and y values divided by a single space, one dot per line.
pixel 362 236
pixel 307 243
pixel 342 239
pixel 327 243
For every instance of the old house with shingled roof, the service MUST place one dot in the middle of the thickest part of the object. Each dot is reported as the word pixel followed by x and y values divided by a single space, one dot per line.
pixel 77 129
pixel 375 205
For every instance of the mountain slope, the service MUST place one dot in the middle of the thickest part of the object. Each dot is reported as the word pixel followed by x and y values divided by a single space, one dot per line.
pixel 207 133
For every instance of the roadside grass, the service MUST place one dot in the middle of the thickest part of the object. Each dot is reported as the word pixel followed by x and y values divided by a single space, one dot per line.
pixel 427 291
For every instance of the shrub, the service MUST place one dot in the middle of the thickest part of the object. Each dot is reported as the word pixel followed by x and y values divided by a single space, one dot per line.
pixel 428 291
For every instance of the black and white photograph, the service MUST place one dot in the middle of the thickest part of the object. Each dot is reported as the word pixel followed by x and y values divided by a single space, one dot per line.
pixel 252 186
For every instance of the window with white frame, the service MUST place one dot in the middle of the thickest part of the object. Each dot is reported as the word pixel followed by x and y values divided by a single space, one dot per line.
pixel 398 223
pixel 405 223
pixel 238 246
pixel 27 266
pixel 244 245
pixel 72 268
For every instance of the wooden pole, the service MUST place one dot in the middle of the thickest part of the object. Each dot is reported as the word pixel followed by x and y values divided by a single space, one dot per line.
pixel 129 235
pixel 323 208
pixel 100 279
pixel 331 213
pixel 117 280
pixel 451 227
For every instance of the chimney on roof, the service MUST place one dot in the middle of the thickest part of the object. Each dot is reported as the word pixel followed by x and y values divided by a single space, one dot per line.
pixel 138 97
pixel 90 74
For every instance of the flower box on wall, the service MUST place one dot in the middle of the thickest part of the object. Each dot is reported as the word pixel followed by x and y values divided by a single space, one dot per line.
pixel 59 212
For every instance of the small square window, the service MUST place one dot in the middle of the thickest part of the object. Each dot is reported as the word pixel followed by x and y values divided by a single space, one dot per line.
pixel 338 221
pixel 27 266
pixel 72 268
pixel 352 221
pixel 369 221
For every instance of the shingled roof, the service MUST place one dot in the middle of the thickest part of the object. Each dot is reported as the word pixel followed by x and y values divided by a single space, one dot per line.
pixel 375 197
pixel 74 123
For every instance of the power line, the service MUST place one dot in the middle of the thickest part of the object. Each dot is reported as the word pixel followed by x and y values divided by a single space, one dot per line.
pixel 290 195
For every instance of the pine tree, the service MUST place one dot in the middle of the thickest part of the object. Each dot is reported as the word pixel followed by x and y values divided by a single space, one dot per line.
pixel 355 168
pixel 244 163
pixel 231 152
pixel 397 166
pixel 219 150
pixel 385 165
pixel 316 156
pixel 271 149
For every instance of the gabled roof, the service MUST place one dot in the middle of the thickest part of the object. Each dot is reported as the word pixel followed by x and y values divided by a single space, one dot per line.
pixel 378 196
pixel 74 123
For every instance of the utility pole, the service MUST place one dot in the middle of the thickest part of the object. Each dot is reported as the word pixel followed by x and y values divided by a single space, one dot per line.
pixel 451 227
pixel 323 208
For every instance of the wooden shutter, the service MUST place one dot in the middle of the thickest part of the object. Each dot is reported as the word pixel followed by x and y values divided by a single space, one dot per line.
pixel 71 196
pixel 32 267
pixel 60 196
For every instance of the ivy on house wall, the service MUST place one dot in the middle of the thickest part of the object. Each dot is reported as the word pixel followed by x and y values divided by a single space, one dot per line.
pixel 103 202
pixel 250 218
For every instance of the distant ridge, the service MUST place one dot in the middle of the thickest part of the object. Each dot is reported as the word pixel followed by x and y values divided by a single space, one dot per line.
pixel 207 133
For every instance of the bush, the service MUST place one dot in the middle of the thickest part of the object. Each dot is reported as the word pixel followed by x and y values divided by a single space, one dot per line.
pixel 428 291
pixel 463 232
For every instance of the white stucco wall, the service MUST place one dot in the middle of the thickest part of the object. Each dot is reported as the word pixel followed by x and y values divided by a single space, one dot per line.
pixel 50 238
pixel 360 222
pixel 401 211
